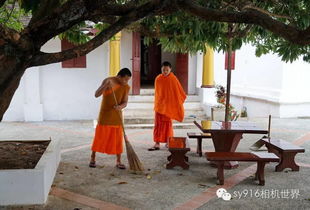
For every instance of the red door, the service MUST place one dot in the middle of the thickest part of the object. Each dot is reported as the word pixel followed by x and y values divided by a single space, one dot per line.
pixel 136 54
pixel 182 70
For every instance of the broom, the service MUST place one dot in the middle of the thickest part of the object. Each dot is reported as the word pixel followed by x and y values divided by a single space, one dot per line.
pixel 134 163
pixel 257 145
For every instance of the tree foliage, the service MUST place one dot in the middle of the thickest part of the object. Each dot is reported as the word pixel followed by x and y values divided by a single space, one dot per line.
pixel 183 31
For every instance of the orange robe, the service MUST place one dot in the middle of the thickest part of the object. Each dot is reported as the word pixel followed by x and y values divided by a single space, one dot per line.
pixel 109 134
pixel 169 100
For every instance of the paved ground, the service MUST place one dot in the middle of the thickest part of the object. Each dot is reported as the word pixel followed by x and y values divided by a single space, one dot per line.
pixel 76 186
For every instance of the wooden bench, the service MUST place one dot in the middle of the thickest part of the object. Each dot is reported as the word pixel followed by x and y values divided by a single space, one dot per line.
pixel 199 137
pixel 259 157
pixel 286 151
pixel 178 148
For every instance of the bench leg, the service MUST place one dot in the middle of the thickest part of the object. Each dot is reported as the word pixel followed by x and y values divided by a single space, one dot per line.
pixel 220 172
pixel 177 158
pixel 199 143
pixel 169 157
pixel 287 161
pixel 260 172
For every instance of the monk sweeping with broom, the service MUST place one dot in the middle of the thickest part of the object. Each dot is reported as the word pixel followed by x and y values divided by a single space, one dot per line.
pixel 109 131
pixel 169 99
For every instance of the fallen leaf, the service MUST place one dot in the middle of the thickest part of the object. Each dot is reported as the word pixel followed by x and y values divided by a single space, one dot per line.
pixel 122 183
pixel 148 177
pixel 157 172
pixel 202 185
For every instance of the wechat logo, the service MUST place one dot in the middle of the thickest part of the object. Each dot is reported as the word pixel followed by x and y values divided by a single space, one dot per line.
pixel 222 193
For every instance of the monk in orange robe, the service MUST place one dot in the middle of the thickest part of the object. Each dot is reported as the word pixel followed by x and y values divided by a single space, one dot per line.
pixel 109 134
pixel 169 100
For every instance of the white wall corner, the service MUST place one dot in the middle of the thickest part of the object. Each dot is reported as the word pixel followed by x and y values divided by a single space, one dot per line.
pixel 199 62
pixel 192 68
pixel 126 52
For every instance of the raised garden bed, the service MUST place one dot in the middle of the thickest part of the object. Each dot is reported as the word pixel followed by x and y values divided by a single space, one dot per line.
pixel 27 170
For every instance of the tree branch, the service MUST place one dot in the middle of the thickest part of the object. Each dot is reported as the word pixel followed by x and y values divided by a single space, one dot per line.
pixel 46 7
pixel 267 12
pixel 141 12
pixel 10 36
pixel 72 13
pixel 241 33
pixel 145 31
pixel 250 16
pixel 2 3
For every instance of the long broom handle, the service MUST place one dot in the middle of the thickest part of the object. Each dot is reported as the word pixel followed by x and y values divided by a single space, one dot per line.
pixel 118 111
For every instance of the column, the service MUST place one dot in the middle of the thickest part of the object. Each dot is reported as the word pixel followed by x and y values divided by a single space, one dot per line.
pixel 208 69
pixel 115 43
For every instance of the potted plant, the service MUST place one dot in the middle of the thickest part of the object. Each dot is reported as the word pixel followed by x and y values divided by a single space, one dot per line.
pixel 220 94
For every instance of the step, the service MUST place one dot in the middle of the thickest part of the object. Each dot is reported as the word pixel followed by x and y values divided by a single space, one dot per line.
pixel 151 126
pixel 150 98
pixel 150 113
pixel 150 120
pixel 148 105
pixel 150 91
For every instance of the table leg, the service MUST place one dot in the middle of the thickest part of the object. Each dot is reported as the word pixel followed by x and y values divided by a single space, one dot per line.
pixel 226 142
pixel 199 149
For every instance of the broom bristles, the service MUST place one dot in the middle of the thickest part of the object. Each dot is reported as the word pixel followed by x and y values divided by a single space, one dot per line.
pixel 133 160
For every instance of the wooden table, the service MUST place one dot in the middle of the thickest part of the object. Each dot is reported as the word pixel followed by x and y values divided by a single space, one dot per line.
pixel 226 135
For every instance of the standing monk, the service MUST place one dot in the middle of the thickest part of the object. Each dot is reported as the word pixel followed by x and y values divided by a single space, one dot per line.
pixel 169 99
pixel 109 134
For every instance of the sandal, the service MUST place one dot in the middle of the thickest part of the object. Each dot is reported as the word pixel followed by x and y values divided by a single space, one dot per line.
pixel 92 164
pixel 120 166
pixel 153 148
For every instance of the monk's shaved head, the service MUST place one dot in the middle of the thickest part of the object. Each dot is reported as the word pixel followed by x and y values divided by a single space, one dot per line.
pixel 166 63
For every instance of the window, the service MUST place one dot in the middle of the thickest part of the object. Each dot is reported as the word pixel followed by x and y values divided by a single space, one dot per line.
pixel 79 62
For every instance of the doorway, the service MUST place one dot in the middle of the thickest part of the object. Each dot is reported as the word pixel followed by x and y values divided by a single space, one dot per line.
pixel 146 64
pixel 150 63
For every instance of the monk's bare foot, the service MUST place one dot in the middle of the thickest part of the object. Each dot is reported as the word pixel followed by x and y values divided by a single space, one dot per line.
pixel 155 147
pixel 92 164
pixel 120 166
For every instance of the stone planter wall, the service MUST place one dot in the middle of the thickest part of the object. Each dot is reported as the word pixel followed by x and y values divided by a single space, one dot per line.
pixel 30 186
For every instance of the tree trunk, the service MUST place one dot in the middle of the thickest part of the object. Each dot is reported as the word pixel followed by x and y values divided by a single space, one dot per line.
pixel 11 71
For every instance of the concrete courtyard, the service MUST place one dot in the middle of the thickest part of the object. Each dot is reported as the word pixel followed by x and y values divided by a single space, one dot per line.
pixel 76 186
